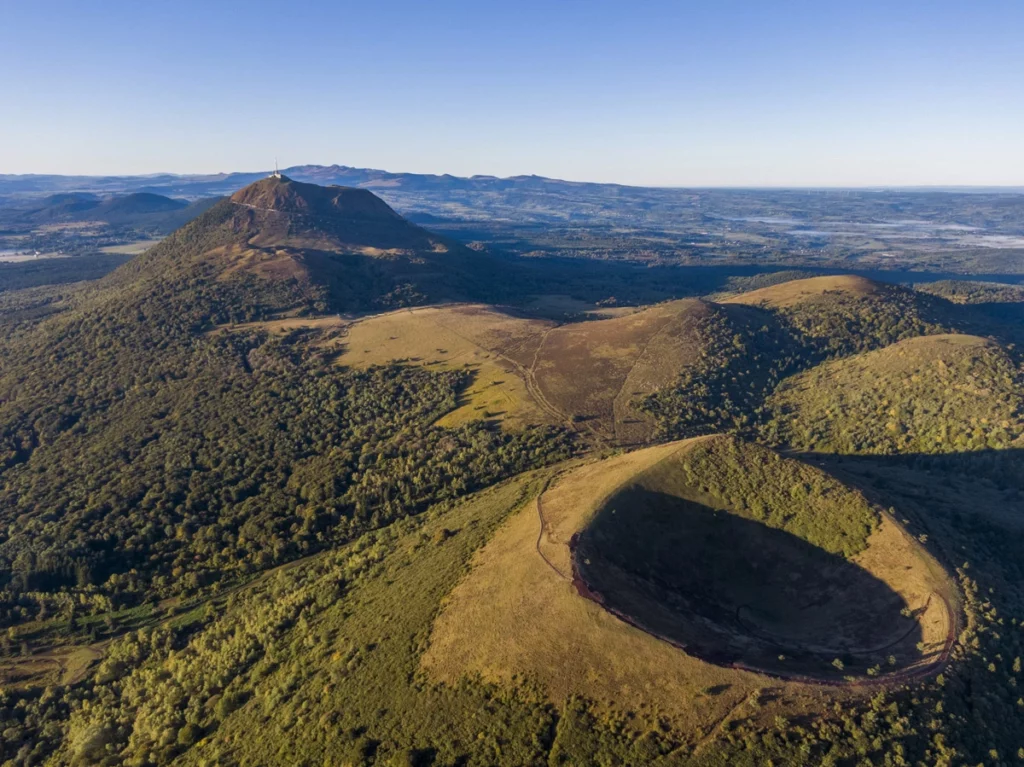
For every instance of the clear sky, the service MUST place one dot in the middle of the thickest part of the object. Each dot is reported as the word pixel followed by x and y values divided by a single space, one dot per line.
pixel 718 92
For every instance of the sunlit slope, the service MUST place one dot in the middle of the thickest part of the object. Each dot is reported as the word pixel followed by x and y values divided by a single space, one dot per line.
pixel 482 339
pixel 517 615
pixel 935 394
pixel 796 292
pixel 591 375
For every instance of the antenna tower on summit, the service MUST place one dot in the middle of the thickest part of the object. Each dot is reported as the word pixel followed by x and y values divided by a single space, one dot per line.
pixel 276 173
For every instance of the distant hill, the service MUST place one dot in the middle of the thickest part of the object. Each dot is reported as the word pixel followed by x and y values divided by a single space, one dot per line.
pixel 135 204
pixel 167 221
pixel 135 209
pixel 58 207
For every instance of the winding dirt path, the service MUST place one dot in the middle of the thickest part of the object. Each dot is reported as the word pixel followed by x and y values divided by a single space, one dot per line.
pixel 543 527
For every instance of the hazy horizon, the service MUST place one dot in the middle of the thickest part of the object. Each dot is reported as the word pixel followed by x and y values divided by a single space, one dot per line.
pixel 765 187
pixel 738 95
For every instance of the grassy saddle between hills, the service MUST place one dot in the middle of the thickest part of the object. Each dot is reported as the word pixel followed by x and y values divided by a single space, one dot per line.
pixel 749 559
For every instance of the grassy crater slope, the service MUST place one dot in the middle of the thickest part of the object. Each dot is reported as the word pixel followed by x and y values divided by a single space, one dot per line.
pixel 935 394
pixel 790 563
pixel 745 557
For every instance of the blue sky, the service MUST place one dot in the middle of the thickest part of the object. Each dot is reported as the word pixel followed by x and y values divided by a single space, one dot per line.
pixel 665 93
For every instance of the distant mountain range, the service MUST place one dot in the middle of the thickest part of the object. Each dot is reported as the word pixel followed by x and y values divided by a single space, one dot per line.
pixel 216 184
pixel 225 183
pixel 540 200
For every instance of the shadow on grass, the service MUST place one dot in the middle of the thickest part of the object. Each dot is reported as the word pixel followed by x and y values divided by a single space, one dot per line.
pixel 732 590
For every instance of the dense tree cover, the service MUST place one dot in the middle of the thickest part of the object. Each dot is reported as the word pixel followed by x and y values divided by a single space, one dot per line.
pixel 838 323
pixel 749 351
pixel 141 456
pixel 206 479
pixel 968 292
pixel 742 358
pixel 57 271
pixel 759 484
pixel 925 396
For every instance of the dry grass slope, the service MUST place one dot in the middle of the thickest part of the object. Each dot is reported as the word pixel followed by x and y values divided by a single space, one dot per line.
pixel 597 370
pixel 457 336
pixel 530 370
pixel 514 617
pixel 795 292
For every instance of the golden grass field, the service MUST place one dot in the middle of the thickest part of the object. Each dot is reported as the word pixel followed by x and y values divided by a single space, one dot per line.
pixel 531 370
pixel 458 336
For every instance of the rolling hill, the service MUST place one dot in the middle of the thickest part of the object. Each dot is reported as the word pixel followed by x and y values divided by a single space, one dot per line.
pixel 591 375
pixel 130 209
pixel 844 314
pixel 933 394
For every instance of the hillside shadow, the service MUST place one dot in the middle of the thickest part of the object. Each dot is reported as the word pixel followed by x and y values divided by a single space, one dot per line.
pixel 1002 468
pixel 978 496
pixel 731 590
